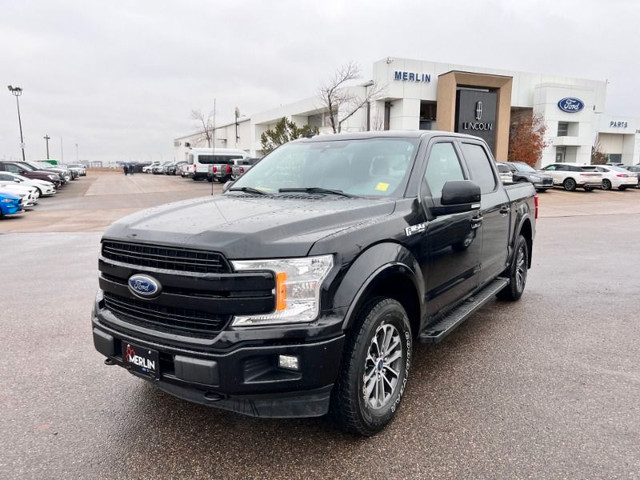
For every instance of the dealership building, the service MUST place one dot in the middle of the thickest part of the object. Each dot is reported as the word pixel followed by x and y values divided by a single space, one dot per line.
pixel 422 95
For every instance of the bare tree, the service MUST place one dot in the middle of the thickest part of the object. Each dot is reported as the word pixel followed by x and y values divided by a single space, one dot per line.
pixel 206 123
pixel 598 157
pixel 338 101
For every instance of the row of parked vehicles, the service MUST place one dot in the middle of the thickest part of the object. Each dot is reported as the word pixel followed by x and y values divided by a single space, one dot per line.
pixel 571 176
pixel 221 165
pixel 22 184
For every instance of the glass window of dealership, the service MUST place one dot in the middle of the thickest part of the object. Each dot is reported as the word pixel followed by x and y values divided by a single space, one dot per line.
pixel 423 95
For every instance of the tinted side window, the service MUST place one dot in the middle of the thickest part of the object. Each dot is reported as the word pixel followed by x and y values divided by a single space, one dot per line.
pixel 443 165
pixel 479 166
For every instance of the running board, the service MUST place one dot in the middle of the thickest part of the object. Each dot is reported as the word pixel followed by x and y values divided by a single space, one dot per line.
pixel 436 331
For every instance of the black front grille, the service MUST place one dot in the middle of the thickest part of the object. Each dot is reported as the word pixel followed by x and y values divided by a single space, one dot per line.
pixel 168 258
pixel 180 321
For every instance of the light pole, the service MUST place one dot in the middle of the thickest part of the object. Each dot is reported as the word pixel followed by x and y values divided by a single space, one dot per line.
pixel 77 155
pixel 17 91
pixel 46 139
pixel 366 86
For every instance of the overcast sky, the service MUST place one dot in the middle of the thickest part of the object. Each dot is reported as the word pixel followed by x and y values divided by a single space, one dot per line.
pixel 119 79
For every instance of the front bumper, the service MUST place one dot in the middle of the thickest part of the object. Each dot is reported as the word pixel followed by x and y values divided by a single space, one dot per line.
pixel 245 378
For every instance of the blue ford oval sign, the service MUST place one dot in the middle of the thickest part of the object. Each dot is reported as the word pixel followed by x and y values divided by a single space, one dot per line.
pixel 144 286
pixel 571 105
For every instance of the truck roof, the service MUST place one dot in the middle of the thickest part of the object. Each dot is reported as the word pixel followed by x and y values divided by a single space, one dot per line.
pixel 385 134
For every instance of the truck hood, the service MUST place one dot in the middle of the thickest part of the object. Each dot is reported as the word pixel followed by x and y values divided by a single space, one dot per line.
pixel 244 227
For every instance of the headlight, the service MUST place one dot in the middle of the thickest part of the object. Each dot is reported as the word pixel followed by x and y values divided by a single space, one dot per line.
pixel 534 178
pixel 51 177
pixel 298 282
pixel 6 200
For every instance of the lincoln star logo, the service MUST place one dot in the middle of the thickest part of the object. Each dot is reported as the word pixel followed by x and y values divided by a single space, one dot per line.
pixel 144 286
pixel 478 111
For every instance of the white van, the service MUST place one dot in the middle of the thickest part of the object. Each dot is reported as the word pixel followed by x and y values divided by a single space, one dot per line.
pixel 200 159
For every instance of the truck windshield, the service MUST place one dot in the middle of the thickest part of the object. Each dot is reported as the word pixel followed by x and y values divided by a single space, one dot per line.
pixel 361 167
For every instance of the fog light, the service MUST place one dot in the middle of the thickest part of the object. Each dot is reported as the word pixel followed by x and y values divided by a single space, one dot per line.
pixel 290 362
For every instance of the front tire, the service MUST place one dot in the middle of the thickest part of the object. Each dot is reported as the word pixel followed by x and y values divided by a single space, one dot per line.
pixel 569 184
pixel 375 368
pixel 517 272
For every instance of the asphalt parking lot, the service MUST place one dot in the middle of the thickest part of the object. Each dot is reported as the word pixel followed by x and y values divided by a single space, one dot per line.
pixel 547 387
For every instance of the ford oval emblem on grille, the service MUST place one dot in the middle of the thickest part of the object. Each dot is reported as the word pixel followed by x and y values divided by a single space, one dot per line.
pixel 144 286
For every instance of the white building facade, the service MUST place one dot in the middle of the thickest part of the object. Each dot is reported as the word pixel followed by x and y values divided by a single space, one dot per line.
pixel 423 95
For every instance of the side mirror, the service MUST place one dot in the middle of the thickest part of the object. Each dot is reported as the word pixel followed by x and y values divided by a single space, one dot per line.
pixel 227 185
pixel 458 196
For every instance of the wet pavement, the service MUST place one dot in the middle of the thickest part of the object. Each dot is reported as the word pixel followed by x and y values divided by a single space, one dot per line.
pixel 546 387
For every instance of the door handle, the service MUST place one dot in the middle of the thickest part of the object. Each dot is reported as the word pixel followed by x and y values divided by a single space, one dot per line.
pixel 476 222
pixel 504 210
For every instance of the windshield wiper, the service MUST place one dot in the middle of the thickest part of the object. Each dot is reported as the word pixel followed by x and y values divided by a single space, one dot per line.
pixel 316 190
pixel 247 190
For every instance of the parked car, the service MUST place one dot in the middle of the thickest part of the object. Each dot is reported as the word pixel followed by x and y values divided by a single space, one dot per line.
pixel 571 176
pixel 301 290
pixel 523 172
pixel 178 168
pixel 242 166
pixel 66 174
pixel 170 168
pixel 504 172
pixel 634 169
pixel 79 169
pixel 45 189
pixel 223 172
pixel 10 204
pixel 29 195
pixel 30 172
pixel 184 169
pixel 614 177
pixel 149 168
pixel 160 168
pixel 82 169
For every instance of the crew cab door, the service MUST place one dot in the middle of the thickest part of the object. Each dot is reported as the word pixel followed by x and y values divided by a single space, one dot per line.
pixel 450 255
pixel 494 213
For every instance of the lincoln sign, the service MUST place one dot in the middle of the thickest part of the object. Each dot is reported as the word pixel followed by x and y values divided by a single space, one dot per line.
pixel 476 114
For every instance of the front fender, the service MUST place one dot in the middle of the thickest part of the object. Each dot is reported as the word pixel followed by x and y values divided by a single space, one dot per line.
pixel 375 264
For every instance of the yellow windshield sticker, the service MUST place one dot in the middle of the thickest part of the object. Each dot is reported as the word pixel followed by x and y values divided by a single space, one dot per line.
pixel 382 186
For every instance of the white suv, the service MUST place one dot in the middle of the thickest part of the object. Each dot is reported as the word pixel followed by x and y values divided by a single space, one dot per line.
pixel 571 176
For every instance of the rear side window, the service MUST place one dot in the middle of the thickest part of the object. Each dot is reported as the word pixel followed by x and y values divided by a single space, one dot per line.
pixel 443 166
pixel 479 167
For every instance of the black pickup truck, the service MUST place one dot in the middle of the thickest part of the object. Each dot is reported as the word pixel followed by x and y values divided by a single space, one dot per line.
pixel 302 289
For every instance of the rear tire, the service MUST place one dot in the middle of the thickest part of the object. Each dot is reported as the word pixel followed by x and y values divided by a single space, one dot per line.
pixel 606 184
pixel 517 272
pixel 569 184
pixel 375 368
pixel 622 188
